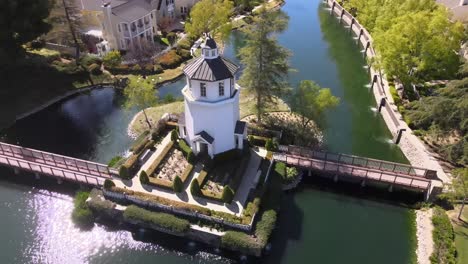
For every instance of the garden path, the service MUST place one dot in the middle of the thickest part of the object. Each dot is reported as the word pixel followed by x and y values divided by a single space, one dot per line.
pixel 236 207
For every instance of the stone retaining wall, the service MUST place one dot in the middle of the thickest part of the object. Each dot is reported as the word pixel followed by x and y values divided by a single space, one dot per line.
pixel 176 211
pixel 411 146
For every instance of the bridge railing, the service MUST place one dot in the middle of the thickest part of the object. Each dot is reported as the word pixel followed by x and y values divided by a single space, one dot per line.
pixel 358 161
pixel 56 160
pixel 362 172
pixel 52 171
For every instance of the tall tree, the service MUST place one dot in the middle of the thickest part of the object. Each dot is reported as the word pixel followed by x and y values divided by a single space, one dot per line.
pixel 21 21
pixel 266 62
pixel 310 101
pixel 210 16
pixel 140 93
pixel 460 187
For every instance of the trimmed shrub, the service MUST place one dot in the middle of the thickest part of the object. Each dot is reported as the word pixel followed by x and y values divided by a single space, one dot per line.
pixel 191 157
pixel 108 184
pixel 235 240
pixel 123 172
pixel 228 194
pixel 144 177
pixel 157 161
pixel 251 209
pixel 161 183
pixel 162 220
pixel 184 147
pixel 174 135
pixel 202 177
pixel 169 60
pixel 158 69
pixel 195 188
pixel 131 162
pixel 186 173
pixel 82 215
pixel 177 185
pixel 95 69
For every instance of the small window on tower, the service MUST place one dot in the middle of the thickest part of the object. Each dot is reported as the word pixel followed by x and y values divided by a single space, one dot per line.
pixel 203 89
pixel 221 89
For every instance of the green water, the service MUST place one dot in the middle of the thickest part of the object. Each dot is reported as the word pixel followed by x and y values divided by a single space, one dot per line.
pixel 315 226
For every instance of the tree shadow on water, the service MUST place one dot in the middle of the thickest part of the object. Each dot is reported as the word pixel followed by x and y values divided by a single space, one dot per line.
pixel 289 227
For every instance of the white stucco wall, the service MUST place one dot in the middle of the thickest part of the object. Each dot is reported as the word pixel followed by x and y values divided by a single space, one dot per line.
pixel 217 119
pixel 212 92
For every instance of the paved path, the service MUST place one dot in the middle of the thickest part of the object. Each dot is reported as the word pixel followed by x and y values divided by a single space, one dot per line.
pixel 236 207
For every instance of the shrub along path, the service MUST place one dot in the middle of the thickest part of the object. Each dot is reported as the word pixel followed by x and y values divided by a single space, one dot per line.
pixel 237 205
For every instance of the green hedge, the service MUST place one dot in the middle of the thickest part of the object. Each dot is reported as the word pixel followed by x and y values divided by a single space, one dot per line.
pixel 235 240
pixel 180 205
pixel 265 226
pixel 186 172
pixel 177 185
pixel 184 147
pixel 160 183
pixel 443 236
pixel 250 210
pixel 163 220
pixel 157 161
pixel 202 178
pixel 140 142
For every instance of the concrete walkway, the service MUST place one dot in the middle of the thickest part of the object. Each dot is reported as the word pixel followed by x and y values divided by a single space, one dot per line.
pixel 237 205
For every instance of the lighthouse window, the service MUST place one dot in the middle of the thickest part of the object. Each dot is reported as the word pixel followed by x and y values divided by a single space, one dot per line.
pixel 203 89
pixel 221 89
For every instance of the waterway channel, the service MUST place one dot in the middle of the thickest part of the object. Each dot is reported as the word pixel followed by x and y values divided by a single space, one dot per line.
pixel 315 226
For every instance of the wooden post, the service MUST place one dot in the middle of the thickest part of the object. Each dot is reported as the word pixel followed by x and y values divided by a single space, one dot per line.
pixel 332 8
pixel 341 15
pixel 367 47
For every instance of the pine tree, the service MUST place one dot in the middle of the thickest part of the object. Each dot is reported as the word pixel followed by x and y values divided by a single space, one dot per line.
pixel 266 62
pixel 195 188
pixel 144 177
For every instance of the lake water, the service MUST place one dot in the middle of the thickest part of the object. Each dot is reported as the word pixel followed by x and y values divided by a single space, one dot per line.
pixel 315 226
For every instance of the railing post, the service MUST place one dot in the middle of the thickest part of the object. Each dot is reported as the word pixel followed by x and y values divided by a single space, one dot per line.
pixel 332 8
pixel 351 25
pixel 367 47
pixel 341 15
pixel 383 102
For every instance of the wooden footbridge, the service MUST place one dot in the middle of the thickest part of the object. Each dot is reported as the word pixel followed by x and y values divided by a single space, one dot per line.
pixel 58 166
pixel 359 168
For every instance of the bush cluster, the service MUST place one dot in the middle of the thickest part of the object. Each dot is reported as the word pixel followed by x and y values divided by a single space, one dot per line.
pixel 82 215
pixel 163 220
pixel 241 241
pixel 169 60
pixel 108 184
pixel 95 69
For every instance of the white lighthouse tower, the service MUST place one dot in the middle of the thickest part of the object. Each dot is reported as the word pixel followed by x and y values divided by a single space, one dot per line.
pixel 210 123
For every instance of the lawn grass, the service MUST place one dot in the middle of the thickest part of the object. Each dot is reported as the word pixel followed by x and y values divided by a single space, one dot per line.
pixel 461 234
pixel 246 105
